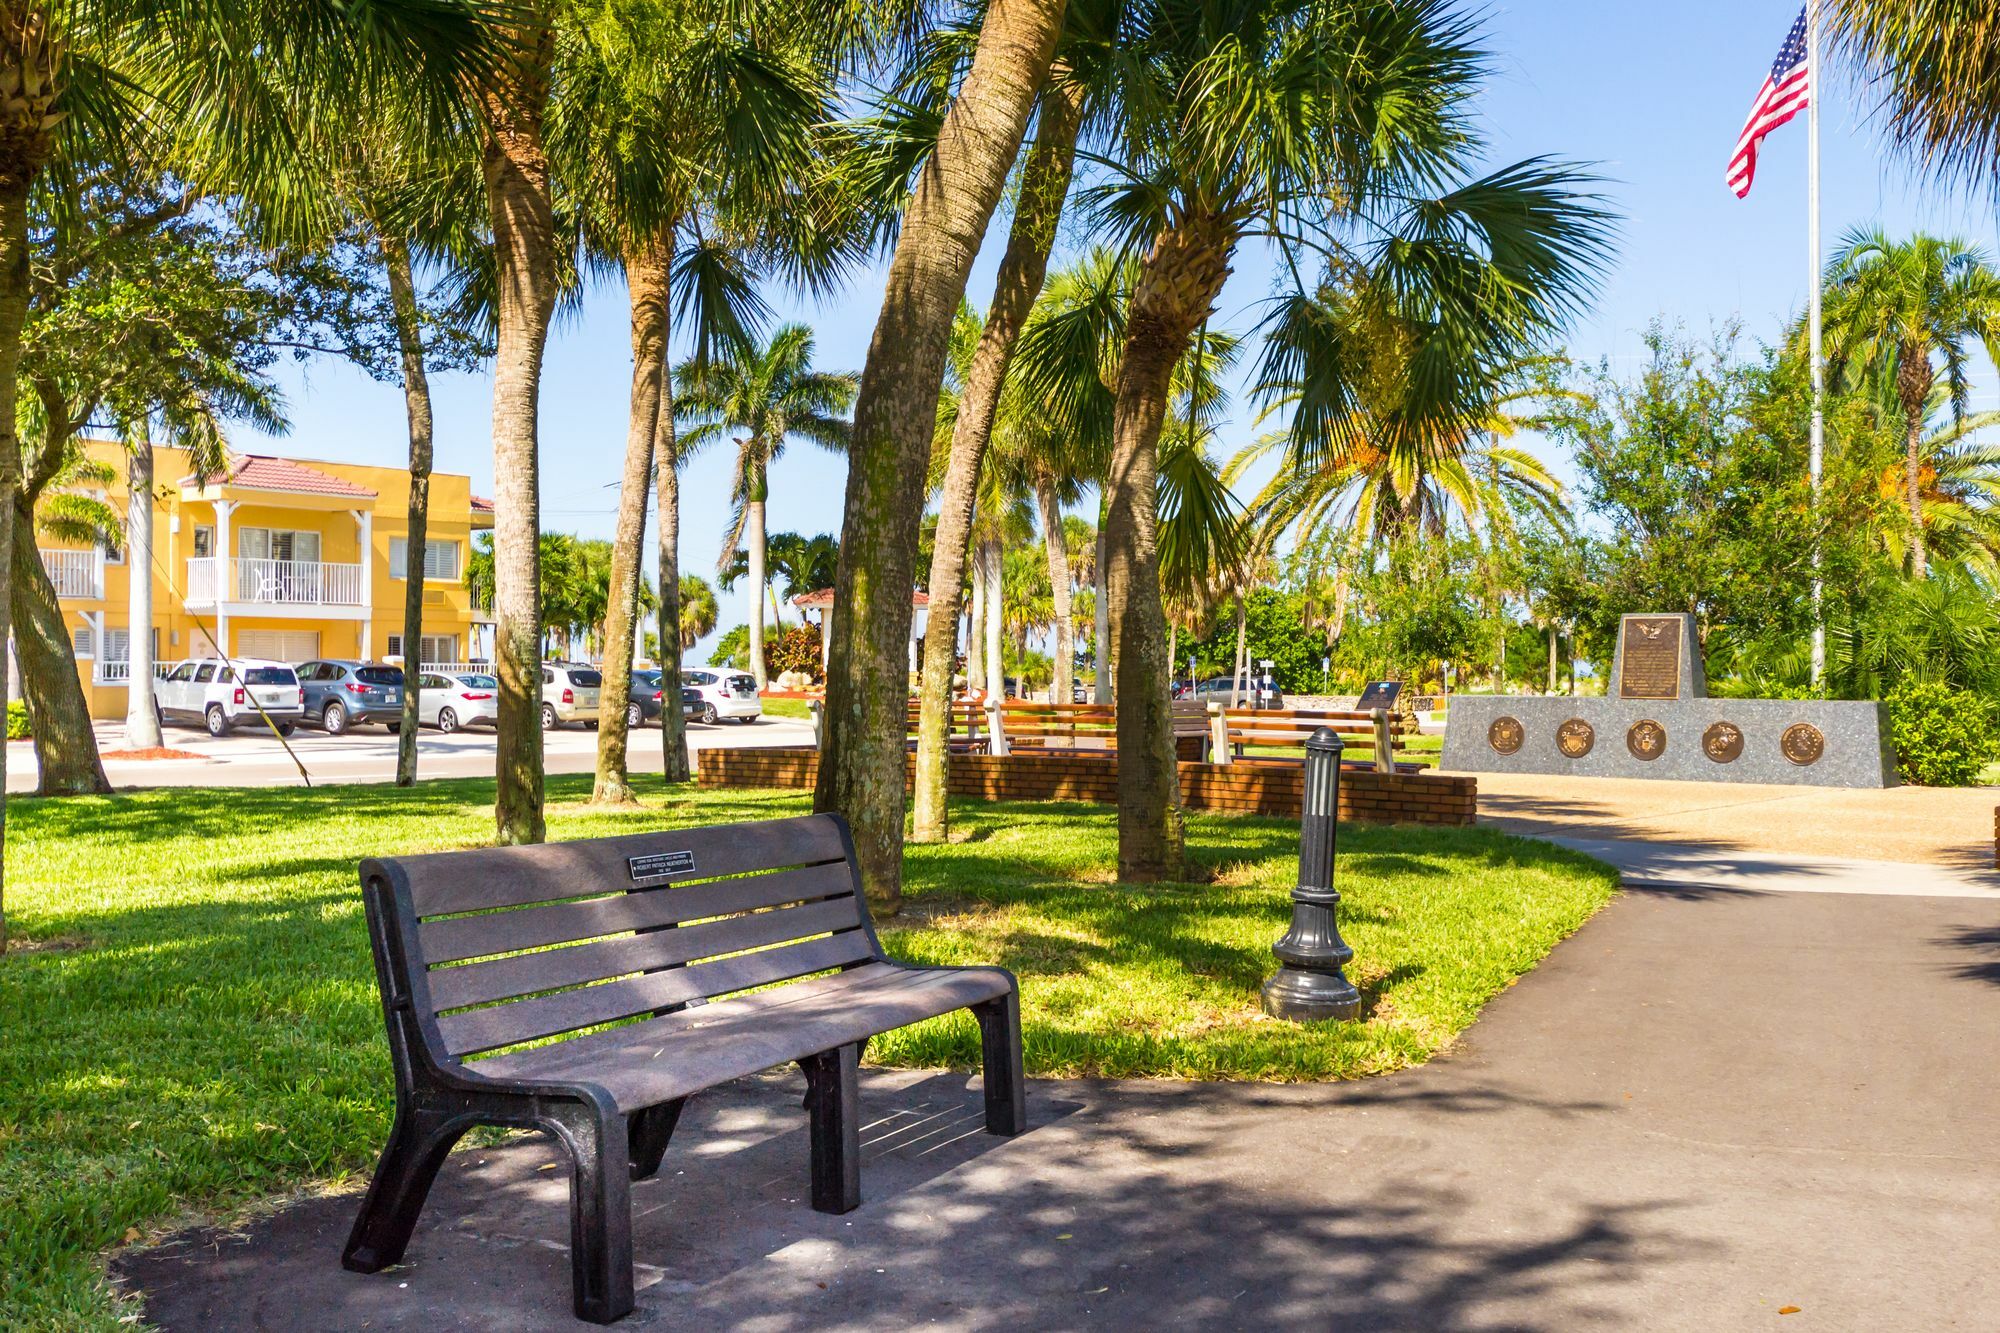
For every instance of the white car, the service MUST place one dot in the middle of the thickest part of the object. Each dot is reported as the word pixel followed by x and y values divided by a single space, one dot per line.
pixel 569 694
pixel 730 694
pixel 219 694
pixel 451 702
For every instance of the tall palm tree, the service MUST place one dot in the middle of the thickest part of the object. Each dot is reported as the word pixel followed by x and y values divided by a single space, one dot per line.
pixel 1907 312
pixel 86 84
pixel 861 771
pixel 1936 66
pixel 697 612
pixel 1329 128
pixel 676 125
pixel 761 395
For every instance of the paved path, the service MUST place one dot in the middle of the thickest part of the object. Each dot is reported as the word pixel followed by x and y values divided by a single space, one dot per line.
pixel 1950 827
pixel 1708 1106
pixel 246 758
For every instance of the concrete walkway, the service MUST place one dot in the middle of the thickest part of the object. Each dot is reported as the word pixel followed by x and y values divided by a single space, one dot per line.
pixel 1707 1108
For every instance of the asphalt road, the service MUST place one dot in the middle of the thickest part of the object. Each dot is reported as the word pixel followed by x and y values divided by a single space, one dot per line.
pixel 247 759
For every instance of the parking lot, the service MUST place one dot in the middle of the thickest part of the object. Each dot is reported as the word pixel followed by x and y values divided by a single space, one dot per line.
pixel 250 757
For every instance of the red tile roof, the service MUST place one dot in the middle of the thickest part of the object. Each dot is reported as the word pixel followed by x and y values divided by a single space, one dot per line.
pixel 824 597
pixel 481 505
pixel 264 472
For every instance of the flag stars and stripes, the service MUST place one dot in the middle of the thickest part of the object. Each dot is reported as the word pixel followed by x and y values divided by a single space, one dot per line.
pixel 1785 93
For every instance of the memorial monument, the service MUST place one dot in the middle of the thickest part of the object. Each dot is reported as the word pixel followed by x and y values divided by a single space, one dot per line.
pixel 1658 721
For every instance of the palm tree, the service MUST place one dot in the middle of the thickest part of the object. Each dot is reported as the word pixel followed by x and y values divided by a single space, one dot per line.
pixel 861 770
pixel 1936 64
pixel 764 395
pixel 697 612
pixel 1905 313
pixel 216 87
pixel 1327 127
pixel 803 564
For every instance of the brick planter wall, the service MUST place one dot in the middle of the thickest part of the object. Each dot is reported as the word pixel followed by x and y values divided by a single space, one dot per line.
pixel 1240 788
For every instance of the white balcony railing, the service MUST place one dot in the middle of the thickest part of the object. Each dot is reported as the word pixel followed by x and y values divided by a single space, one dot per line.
pixel 111 673
pixel 78 575
pixel 273 582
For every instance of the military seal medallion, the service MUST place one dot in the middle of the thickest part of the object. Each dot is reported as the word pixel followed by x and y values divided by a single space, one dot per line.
pixel 1646 739
pixel 1574 738
pixel 1803 744
pixel 1722 742
pixel 1506 735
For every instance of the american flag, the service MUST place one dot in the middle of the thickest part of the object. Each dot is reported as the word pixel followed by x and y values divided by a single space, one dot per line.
pixel 1784 93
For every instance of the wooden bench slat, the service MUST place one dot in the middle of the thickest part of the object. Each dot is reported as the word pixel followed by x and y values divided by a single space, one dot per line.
pixel 551 1015
pixel 489 877
pixel 580 964
pixel 457 938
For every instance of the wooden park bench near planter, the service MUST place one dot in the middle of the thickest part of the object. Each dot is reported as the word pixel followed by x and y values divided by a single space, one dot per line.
pixel 655 961
pixel 965 731
pixel 1036 726
pixel 1377 731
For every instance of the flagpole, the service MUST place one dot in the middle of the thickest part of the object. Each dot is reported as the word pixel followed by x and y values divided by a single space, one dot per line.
pixel 1815 88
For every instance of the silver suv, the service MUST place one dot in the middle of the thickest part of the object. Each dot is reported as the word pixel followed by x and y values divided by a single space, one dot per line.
pixel 569 694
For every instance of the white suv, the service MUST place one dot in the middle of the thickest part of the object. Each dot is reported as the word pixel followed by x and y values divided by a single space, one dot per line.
pixel 731 694
pixel 219 694
pixel 569 694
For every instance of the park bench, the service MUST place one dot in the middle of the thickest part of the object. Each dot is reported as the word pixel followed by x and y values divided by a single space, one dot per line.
pixel 662 964
pixel 1238 729
pixel 1038 726
pixel 965 720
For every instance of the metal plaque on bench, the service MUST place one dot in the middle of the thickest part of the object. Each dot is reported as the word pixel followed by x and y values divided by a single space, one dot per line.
pixel 1379 694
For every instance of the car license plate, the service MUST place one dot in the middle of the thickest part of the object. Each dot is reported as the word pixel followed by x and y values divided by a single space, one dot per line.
pixel 271 697
pixel 392 698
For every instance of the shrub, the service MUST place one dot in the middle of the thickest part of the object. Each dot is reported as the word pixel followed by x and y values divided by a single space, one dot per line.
pixel 1943 737
pixel 17 720
pixel 795 648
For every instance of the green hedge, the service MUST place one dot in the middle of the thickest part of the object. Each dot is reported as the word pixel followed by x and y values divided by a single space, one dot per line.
pixel 17 720
pixel 1944 737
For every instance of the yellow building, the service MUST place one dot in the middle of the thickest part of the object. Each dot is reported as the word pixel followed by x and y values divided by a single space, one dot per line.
pixel 273 557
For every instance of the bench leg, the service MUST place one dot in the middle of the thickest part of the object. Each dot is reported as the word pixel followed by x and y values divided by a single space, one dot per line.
pixel 647 1135
pixel 600 1211
pixel 833 1085
pixel 418 1144
pixel 1000 1047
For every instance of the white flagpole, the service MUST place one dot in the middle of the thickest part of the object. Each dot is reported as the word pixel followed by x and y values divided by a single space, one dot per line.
pixel 1813 316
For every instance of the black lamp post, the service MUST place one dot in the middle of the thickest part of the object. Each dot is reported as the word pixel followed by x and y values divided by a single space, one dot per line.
pixel 1309 983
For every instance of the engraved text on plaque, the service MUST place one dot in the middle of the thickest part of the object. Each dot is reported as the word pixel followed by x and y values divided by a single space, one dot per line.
pixel 1650 666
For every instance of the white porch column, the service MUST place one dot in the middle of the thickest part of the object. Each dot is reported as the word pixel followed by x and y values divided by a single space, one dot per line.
pixel 225 577
pixel 365 521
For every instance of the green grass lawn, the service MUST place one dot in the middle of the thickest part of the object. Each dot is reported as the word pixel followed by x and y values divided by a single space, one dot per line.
pixel 193 1024
pixel 798 708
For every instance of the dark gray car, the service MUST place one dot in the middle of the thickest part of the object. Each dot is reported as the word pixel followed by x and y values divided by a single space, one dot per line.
pixel 341 694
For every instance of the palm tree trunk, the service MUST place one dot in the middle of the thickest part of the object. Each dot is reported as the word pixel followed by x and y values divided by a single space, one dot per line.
pixel 646 285
pixel 754 541
pixel 1100 690
pixel 666 466
pixel 1552 659
pixel 861 771
pixel 1059 591
pixel 417 408
pixel 1913 483
pixel 996 619
pixel 516 172
pixel 65 743
pixel 142 718
pixel 1044 185
pixel 1177 285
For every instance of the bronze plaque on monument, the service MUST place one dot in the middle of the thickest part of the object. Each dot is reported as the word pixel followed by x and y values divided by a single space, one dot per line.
pixel 1723 742
pixel 1650 660
pixel 1574 738
pixel 1506 735
pixel 1802 743
pixel 1646 740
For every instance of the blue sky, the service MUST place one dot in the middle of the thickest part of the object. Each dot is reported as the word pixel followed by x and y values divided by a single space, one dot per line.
pixel 1653 95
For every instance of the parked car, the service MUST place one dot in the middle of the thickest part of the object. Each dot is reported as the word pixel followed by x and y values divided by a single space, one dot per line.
pixel 647 703
pixel 342 694
pixel 461 699
pixel 218 694
pixel 570 692
pixel 691 702
pixel 730 694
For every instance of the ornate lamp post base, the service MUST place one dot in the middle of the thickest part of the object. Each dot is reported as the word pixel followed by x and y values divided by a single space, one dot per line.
pixel 1309 984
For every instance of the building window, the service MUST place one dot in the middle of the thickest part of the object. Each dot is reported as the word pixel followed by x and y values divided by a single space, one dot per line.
pixel 438 648
pixel 204 541
pixel 117 644
pixel 278 544
pixel 440 559
pixel 112 555
pixel 84 643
